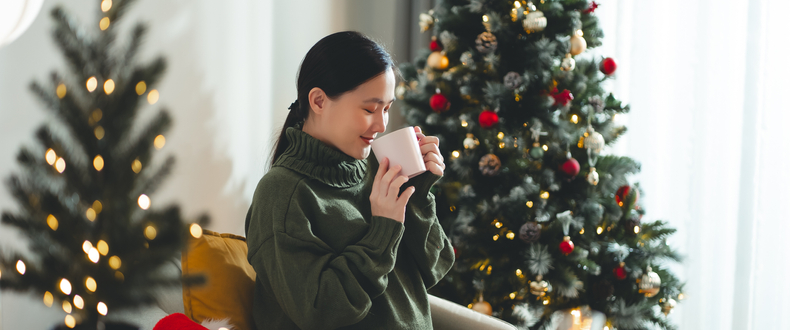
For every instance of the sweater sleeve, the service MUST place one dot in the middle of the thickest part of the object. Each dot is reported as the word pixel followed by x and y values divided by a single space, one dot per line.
pixel 317 287
pixel 424 236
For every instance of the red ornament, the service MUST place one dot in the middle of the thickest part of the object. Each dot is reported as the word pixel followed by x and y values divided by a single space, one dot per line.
pixel 623 193
pixel 566 246
pixel 439 103
pixel 488 119
pixel 570 167
pixel 592 8
pixel 562 97
pixel 608 66
pixel 435 46
pixel 619 272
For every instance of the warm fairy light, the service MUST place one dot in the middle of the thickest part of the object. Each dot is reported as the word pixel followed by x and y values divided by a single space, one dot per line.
pixel 90 214
pixel 109 86
pixel 510 235
pixel 529 204
pixel 61 91
pixel 485 18
pixel 576 313
pixel 115 262
pixel 605 328
pixel 544 194
pixel 545 148
pixel 500 135
pixel 96 115
pixel 501 145
pixel 119 275
pixel 140 88
pixel 620 203
pixel 66 307
pixel 222 328
pixel 159 141
pixel 99 132
pixel 636 229
pixel 60 165
pixel 97 206
pixel 497 224
pixel 86 246
pixel 91 84
pixel 496 237
pixel 575 119
pixel 615 117
pixel 456 154
pixel 51 156
pixel 70 321
pixel 519 272
pixel 102 308
pixel 52 222
pixel 681 296
pixel 98 163
pixel 48 299
pixel 150 232
pixel 78 302
pixel 517 4
pixel 488 270
pixel 106 5
pixel 579 33
pixel 196 230
pixel 599 230
pixel 90 284
pixel 144 202
pixel 104 23
pixel 20 267
pixel 93 255
pixel 546 301
pixel 581 232
pixel 103 247
pixel 153 96
pixel 137 166
pixel 464 123
pixel 65 286
pixel 512 295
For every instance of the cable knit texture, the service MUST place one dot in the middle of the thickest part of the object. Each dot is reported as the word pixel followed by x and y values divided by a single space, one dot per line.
pixel 323 261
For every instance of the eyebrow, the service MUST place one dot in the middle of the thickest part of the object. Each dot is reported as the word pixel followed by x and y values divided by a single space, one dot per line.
pixel 377 100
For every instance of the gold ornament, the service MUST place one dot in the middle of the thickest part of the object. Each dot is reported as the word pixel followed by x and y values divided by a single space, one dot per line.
pixel 667 305
pixel 578 44
pixel 650 283
pixel 539 287
pixel 534 21
pixel 568 63
pixel 438 60
pixel 482 306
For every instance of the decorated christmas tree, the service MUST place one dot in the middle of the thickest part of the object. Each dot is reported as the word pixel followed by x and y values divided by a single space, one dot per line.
pixel 547 229
pixel 95 237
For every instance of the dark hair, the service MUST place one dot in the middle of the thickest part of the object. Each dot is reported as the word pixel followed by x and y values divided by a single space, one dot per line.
pixel 336 64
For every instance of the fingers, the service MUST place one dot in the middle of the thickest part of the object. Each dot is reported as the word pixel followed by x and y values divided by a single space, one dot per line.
pixel 429 140
pixel 386 180
pixel 395 186
pixel 431 148
pixel 435 168
pixel 404 197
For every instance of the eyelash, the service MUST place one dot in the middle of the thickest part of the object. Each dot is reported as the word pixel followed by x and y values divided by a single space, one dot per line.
pixel 385 110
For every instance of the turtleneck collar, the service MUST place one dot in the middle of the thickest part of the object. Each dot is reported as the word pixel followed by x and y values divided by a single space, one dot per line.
pixel 313 158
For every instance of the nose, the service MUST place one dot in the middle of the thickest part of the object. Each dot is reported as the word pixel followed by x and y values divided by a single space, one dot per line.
pixel 380 122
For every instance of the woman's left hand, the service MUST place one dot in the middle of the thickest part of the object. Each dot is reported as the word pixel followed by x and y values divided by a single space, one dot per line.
pixel 429 146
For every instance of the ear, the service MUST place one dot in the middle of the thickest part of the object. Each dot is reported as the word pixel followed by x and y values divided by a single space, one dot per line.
pixel 318 100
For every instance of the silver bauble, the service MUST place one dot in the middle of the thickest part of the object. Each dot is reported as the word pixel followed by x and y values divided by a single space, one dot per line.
pixel 568 63
pixel 650 283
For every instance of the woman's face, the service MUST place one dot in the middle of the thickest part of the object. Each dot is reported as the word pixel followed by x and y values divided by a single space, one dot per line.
pixel 351 121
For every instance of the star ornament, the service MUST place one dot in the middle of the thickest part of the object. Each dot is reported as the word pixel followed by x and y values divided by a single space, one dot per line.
pixel 592 8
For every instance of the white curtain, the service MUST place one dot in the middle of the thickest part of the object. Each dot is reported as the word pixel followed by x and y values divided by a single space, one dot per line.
pixel 706 81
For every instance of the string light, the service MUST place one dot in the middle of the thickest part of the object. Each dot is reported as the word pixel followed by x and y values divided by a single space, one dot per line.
pixel 153 96
pixel 99 132
pixel 581 232
pixel 510 235
pixel 78 302
pixel 545 148
pixel 529 204
pixel 497 224
pixel 519 272
pixel 109 86
pixel 636 229
pixel 52 222
pixel 579 33
pixel 544 194
pixel 98 163
pixel 60 165
pixel 51 156
pixel 512 295
pixel 90 214
pixel 96 115
pixel 599 230
pixel 97 206
pixel 90 284
pixel 452 208
pixel 464 123
pixel 159 142
pixel 485 18
pixel 137 166
pixel 496 237
pixel 48 299
pixel 501 145
pixel 546 301
pixel 144 202
pixel 70 321
pixel 119 275
pixel 102 308
pixel 140 88
pixel 103 247
pixel 66 307
pixel 196 230
pixel 150 232
pixel 86 246
pixel 456 154
pixel 488 270
pixel 65 286
pixel 575 119
pixel 61 90
pixel 500 135
pixel 20 267
pixel 93 255
pixel 115 262
pixel 91 84
pixel 106 5
pixel 104 23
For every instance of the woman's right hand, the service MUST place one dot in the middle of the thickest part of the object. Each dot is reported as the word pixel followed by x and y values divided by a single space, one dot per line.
pixel 384 199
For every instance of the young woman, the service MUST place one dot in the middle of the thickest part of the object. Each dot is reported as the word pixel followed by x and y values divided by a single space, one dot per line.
pixel 336 239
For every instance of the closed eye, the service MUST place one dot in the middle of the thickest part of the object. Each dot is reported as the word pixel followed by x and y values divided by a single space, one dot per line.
pixel 368 110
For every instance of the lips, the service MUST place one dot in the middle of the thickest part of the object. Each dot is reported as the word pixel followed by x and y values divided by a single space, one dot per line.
pixel 366 139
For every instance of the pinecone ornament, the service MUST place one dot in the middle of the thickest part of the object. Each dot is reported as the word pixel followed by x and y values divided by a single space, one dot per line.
pixel 529 232
pixel 489 165
pixel 486 43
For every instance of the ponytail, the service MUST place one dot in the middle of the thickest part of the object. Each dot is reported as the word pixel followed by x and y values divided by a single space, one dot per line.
pixel 296 116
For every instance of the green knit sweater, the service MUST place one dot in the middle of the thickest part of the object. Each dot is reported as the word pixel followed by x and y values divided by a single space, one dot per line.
pixel 323 261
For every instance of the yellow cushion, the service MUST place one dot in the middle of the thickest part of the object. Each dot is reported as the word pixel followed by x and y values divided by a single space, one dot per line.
pixel 230 280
